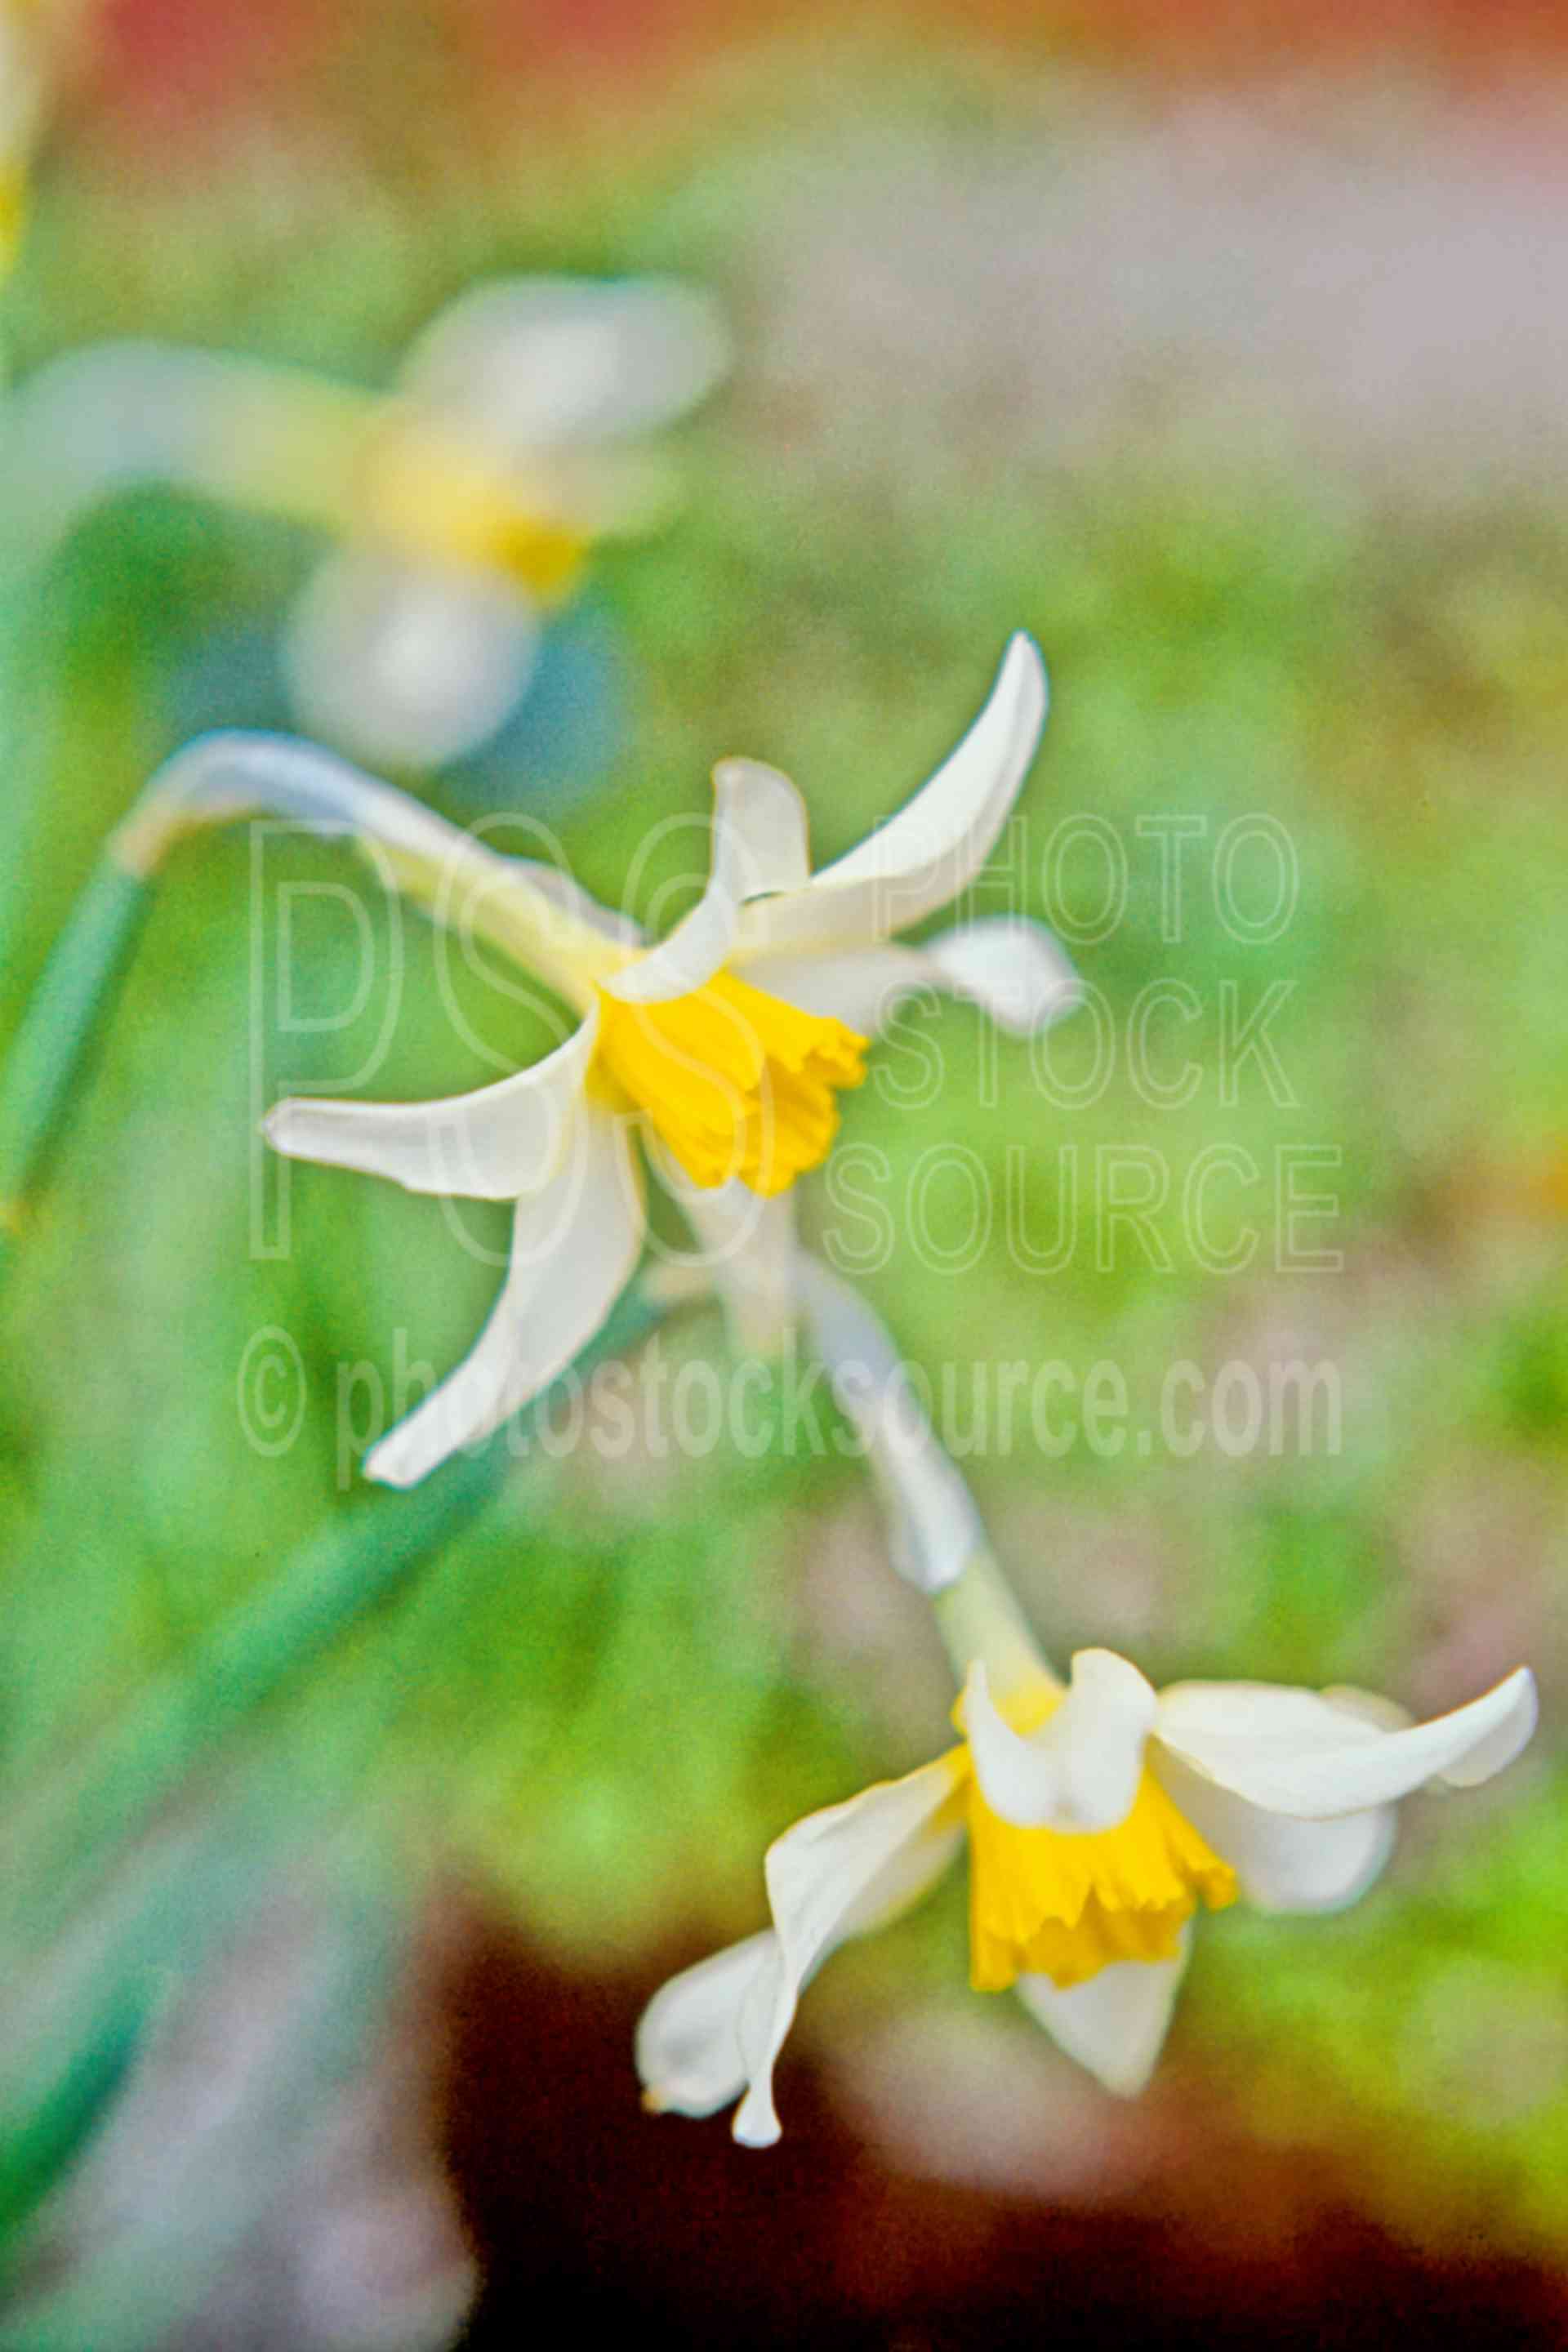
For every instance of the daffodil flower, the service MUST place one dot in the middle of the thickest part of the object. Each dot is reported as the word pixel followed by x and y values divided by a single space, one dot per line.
pixel 463 502
pixel 1101 1816
pixel 725 1045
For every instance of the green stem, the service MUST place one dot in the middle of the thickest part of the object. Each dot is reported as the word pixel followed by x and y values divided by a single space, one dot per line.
pixel 67 1009
pixel 48 2124
pixel 979 1617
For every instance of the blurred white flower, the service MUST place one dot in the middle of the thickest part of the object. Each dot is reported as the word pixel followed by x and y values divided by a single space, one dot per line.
pixel 518 437
pixel 1099 1817
pixel 725 1044
pixel 463 502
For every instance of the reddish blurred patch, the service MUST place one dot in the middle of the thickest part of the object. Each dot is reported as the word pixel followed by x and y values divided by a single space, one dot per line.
pixel 158 57
pixel 161 57
pixel 629 2221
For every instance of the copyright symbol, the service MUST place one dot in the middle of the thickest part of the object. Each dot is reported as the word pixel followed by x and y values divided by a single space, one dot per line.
pixel 270 1391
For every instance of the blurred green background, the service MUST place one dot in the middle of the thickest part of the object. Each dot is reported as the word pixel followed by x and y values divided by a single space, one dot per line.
pixel 1241 397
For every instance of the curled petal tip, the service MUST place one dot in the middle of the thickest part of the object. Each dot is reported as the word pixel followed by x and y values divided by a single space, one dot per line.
pixel 1516 1708
pixel 1024 656
pixel 387 1467
pixel 277 1130
pixel 1023 645
pixel 1105 1675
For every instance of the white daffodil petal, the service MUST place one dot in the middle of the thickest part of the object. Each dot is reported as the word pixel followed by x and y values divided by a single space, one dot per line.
pixel 934 1529
pixel 496 1144
pixel 689 2059
pixel 697 948
pixel 228 775
pixel 462 881
pixel 575 1248
pixel 1013 969
pixel 1281 1863
pixel 408 663
pixel 1080 1770
pixel 746 1250
pixel 1116 2023
pixel 759 846
pixel 838 1873
pixel 1295 1751
pixel 530 363
pixel 1387 1714
pixel 1491 1751
pixel 863 988
pixel 934 846
pixel 760 835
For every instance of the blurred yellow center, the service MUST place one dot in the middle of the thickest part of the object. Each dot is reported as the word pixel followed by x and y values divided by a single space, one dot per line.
pixel 735 1082
pixel 1064 1904
pixel 426 491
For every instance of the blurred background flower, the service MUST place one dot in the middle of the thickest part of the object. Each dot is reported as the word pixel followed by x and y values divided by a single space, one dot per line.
pixel 1227 360
pixel 465 502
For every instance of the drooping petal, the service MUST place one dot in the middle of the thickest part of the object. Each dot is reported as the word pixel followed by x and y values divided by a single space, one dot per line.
pixel 407 662
pixel 935 845
pixel 746 1249
pixel 759 846
pixel 1297 1751
pixel 496 1144
pixel 933 1526
pixel 689 2055
pixel 1081 1769
pixel 1015 970
pixel 1116 2023
pixel 530 363
pixel 575 1248
pixel 464 883
pixel 839 1874
pixel 228 775
pixel 1281 1863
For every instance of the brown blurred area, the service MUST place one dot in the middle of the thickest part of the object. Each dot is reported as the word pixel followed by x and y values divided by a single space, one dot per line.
pixel 575 2216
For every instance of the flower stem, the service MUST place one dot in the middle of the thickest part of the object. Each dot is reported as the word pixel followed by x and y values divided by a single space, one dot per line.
pixel 50 1049
pixel 978 1616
